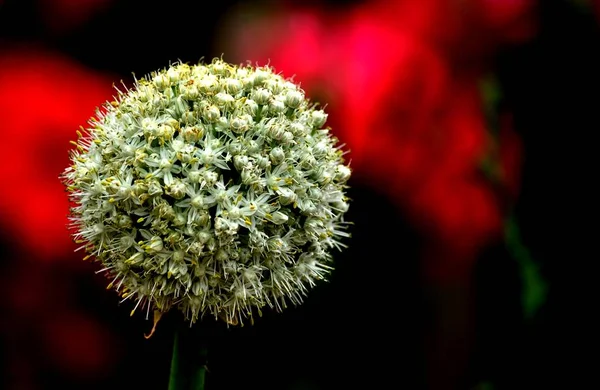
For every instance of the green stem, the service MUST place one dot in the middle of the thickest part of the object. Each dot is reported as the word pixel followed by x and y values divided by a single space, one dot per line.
pixel 535 287
pixel 188 363
pixel 175 376
pixel 199 374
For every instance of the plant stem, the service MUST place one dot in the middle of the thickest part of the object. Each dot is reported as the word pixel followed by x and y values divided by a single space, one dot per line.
pixel 535 288
pixel 188 363
pixel 199 374
pixel 175 376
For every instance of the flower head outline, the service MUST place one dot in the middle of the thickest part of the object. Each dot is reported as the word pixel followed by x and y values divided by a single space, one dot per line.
pixel 213 188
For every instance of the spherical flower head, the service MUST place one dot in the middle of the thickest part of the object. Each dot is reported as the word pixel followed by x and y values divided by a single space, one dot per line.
pixel 211 188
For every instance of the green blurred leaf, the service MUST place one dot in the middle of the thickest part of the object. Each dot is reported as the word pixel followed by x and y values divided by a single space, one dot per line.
pixel 535 288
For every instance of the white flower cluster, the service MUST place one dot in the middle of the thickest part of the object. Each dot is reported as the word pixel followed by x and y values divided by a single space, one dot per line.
pixel 211 188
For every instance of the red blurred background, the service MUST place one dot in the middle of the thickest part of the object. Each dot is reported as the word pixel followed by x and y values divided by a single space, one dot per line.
pixel 469 126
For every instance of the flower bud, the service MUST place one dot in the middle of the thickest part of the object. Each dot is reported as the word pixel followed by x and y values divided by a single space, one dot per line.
pixel 261 96
pixel 208 84
pixel 277 155
pixel 154 245
pixel 293 98
pixel 238 125
pixel 240 161
pixel 342 173
pixel 223 99
pixel 276 107
pixel 232 86
pixel 317 119
pixel 286 196
pixel 192 134
pixel 161 81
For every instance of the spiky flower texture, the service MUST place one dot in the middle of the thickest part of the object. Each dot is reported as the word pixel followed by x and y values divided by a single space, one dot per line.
pixel 213 188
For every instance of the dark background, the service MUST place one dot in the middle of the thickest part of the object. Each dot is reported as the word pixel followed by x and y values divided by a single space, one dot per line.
pixel 367 327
